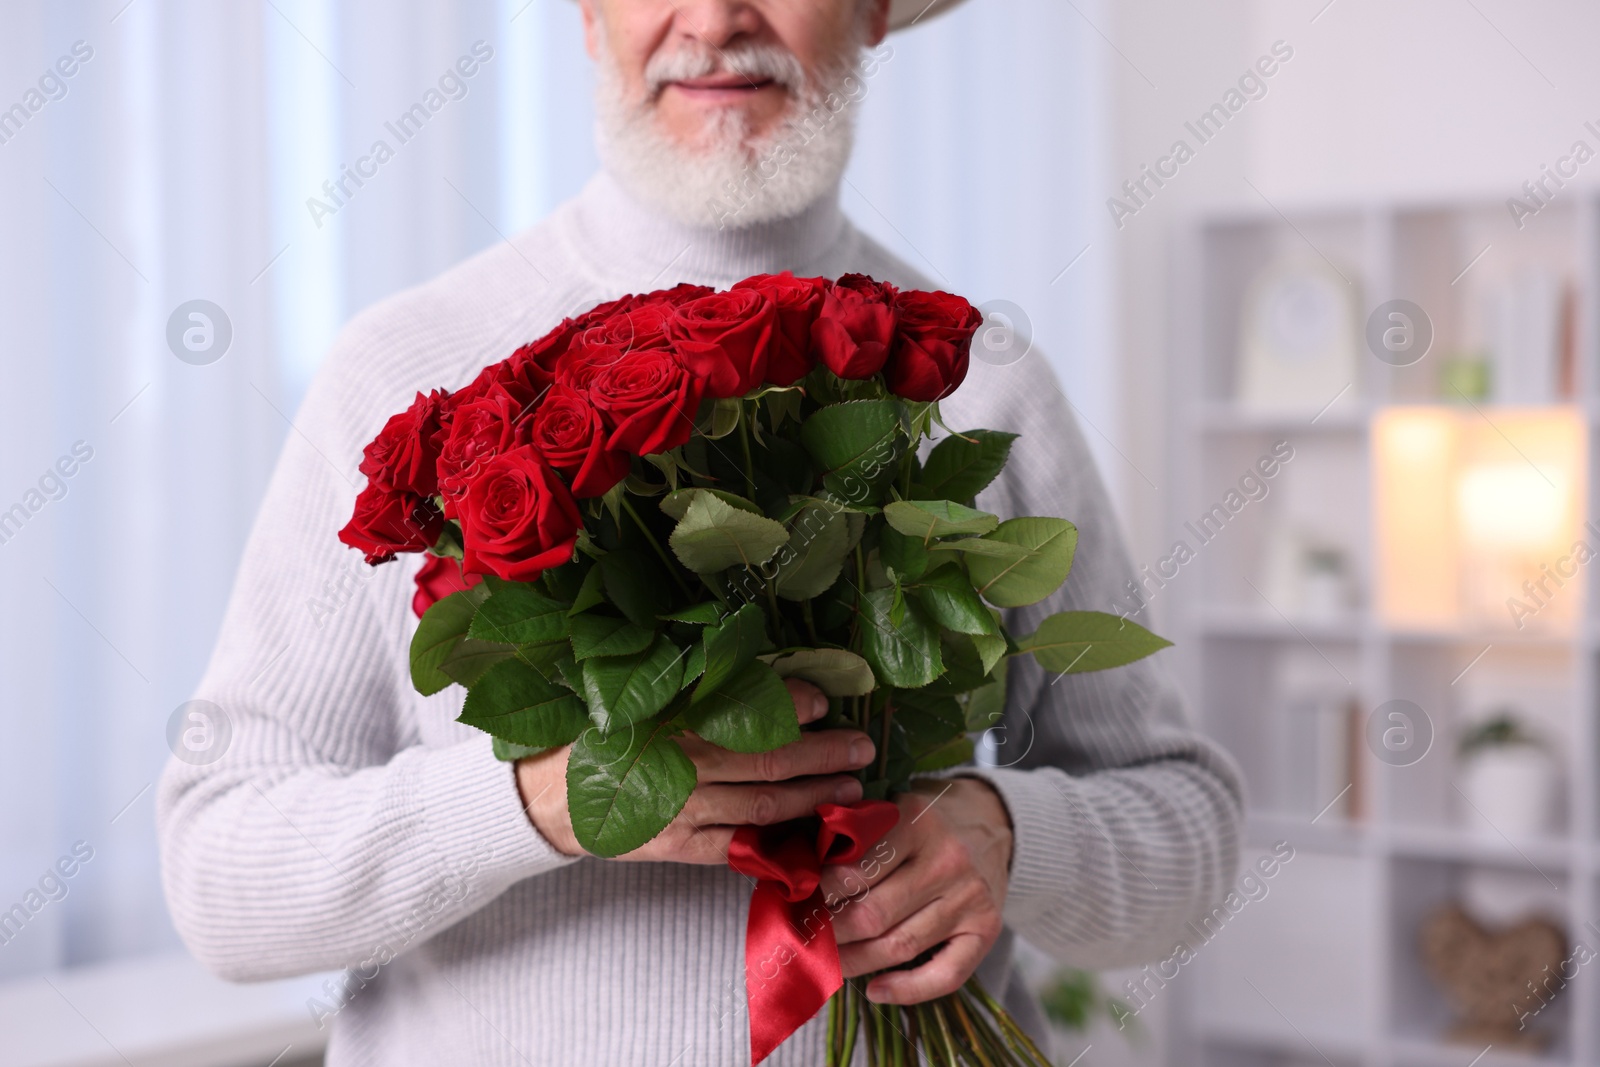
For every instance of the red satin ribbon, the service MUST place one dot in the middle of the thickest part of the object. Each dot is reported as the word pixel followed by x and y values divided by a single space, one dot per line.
pixel 791 960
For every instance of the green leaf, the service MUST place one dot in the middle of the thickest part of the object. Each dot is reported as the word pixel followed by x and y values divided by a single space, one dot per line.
pixel 819 541
pixel 730 646
pixel 987 703
pixel 857 443
pixel 623 690
pixel 637 584
pixel 928 519
pixel 782 403
pixel 929 720
pixel 469 659
pixel 623 790
pixel 707 614
pixel 516 702
pixel 958 469
pixel 750 712
pixel 964 670
pixel 952 753
pixel 725 417
pixel 904 655
pixel 443 627
pixel 676 505
pixel 991 649
pixel 833 670
pixel 949 599
pixel 590 593
pixel 1073 642
pixel 694 665
pixel 714 535
pixel 978 546
pixel 510 753
pixel 906 556
pixel 517 614
pixel 1049 545
pixel 602 635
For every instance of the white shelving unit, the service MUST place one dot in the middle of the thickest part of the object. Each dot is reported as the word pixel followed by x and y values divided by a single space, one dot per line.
pixel 1326 968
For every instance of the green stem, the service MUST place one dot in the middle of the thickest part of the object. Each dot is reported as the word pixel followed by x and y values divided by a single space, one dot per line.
pixel 850 1020
pixel 811 623
pixel 627 505
pixel 883 746
pixel 833 1031
pixel 749 464
pixel 777 619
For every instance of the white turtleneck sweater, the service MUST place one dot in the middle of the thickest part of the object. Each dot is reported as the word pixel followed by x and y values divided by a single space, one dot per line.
pixel 353 824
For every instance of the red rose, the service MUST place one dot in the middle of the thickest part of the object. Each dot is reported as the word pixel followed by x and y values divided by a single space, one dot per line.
pixel 480 430
pixel 798 301
pixel 680 294
pixel 724 338
pixel 569 433
pixel 547 350
pixel 600 312
pixel 405 451
pixel 438 578
pixel 517 519
pixel 646 326
pixel 933 345
pixel 854 329
pixel 583 361
pixel 387 521
pixel 649 399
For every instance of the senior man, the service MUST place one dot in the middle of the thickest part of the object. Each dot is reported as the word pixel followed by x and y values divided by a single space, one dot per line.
pixel 354 825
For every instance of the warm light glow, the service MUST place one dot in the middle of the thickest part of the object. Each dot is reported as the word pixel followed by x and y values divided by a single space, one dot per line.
pixel 1469 506
pixel 1512 506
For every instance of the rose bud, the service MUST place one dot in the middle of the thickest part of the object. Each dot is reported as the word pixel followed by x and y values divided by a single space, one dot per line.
pixel 855 327
pixel 798 301
pixel 387 521
pixel 723 338
pixel 480 430
pixel 517 518
pixel 932 346
pixel 649 400
pixel 439 577
pixel 404 453
pixel 571 435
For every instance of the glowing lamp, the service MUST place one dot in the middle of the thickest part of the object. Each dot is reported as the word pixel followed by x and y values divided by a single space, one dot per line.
pixel 1478 517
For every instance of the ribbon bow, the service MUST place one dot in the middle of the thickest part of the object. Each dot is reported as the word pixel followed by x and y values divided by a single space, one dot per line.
pixel 791 959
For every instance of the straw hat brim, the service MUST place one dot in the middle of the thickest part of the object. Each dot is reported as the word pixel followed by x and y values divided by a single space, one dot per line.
pixel 903 13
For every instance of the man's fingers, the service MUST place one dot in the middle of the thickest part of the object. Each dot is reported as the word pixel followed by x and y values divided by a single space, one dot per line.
pixel 848 879
pixel 810 703
pixel 765 804
pixel 950 967
pixel 916 927
pixel 886 904
pixel 705 845
pixel 817 752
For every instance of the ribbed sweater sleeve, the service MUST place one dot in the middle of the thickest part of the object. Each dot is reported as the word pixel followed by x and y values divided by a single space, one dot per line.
pixel 1126 822
pixel 324 836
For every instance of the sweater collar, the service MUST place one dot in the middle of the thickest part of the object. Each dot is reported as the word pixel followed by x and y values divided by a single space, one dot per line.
pixel 631 246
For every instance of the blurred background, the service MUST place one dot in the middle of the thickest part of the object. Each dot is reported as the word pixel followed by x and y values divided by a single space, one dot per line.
pixel 1320 278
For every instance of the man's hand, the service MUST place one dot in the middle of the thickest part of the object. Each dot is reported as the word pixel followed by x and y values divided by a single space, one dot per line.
pixel 940 881
pixel 734 789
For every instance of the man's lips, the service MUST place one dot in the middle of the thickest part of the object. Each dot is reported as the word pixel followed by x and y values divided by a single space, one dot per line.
pixel 721 86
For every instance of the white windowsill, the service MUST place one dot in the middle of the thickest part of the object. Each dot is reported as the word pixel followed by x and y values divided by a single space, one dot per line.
pixel 162 1010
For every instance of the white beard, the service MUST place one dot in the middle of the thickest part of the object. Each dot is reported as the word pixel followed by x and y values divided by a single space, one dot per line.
pixel 730 179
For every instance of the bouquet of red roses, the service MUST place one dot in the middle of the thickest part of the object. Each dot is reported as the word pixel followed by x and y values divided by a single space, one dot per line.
pixel 643 522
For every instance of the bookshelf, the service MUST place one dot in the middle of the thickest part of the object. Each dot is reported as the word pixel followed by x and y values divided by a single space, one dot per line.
pixel 1326 968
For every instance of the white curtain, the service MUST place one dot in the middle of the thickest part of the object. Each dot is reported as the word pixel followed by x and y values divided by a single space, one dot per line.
pixel 175 163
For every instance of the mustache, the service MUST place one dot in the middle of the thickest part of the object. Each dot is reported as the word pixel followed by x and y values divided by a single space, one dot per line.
pixel 758 62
